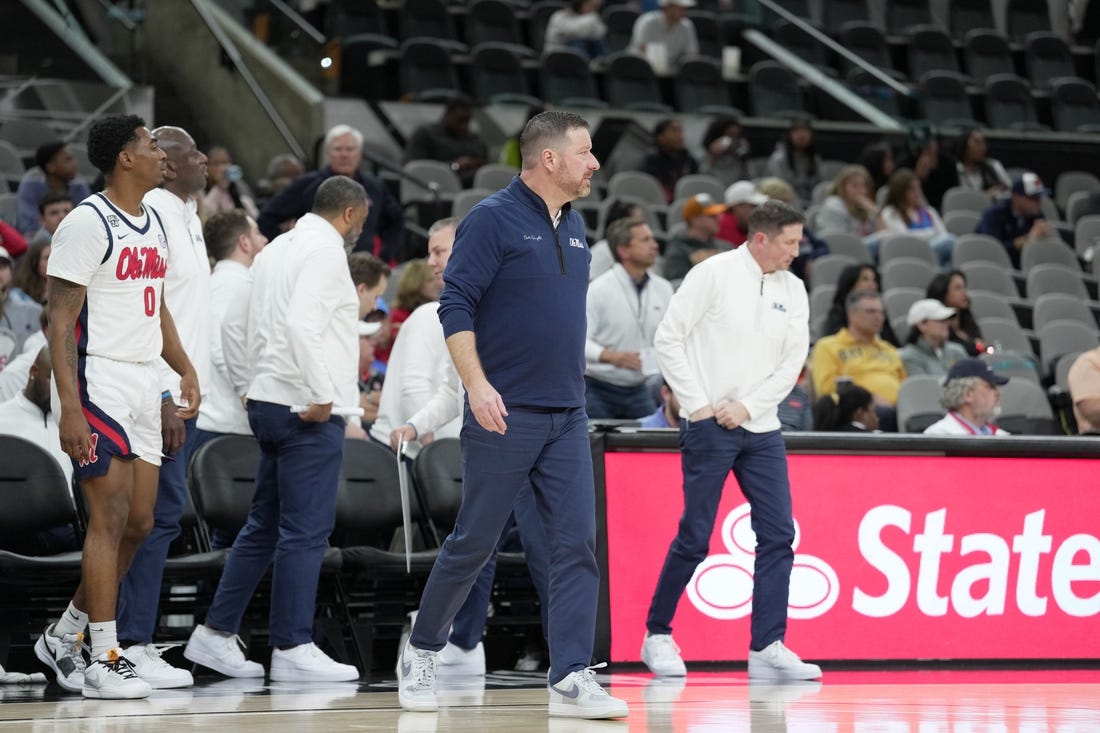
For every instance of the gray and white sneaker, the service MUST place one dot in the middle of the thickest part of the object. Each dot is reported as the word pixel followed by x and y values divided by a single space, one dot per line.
pixel 65 656
pixel 777 662
pixel 579 695
pixel 416 679
pixel 662 656
pixel 110 676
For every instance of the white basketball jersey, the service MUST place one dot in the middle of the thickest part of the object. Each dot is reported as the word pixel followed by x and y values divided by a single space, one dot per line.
pixel 121 260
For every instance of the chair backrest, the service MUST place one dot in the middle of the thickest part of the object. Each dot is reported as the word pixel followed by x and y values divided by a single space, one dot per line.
pixel 821 300
pixel 866 41
pixel 827 269
pixel 620 25
pixel 11 164
pixel 944 100
pixel 1074 106
pixel 708 31
pixel 963 15
pixel 1025 409
pixel 537 20
pixel 958 198
pixel 491 21
pixel 699 84
pixel 34 495
pixel 986 53
pixel 368 501
pixel 919 403
pixel 842 243
pixel 438 472
pixel 427 70
pixel 990 305
pixel 1070 182
pixel 9 207
pixel 630 80
pixel 901 15
pixel 1064 337
pixel 961 222
pixel 1012 365
pixel 1062 367
pixel 979 248
pixel 898 301
pixel 1025 16
pixel 494 176
pixel 839 12
pixel 1056 307
pixel 497 74
pixel 1008 103
pixel 1005 335
pixel 425 18
pixel 637 185
pixel 907 272
pixel 989 277
pixel 1048 252
pixel 930 49
pixel 222 478
pixel 1048 57
pixel 774 91
pixel 895 246
pixel 566 77
pixel 429 171
pixel 465 200
pixel 1086 237
pixel 698 183
pixel 1053 278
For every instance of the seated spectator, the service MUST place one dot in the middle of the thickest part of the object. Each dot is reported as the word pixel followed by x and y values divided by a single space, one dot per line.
pixel 727 151
pixel 6 262
pixel 27 415
pixel 927 349
pixel 858 353
pixel 578 26
pixel 849 209
pixel 972 400
pixel 1017 220
pixel 52 208
pixel 30 284
pixel 851 279
pixel 1084 390
pixel 851 409
pixel 699 239
pixel 742 198
pixel 669 161
pixel 924 155
pixel 796 412
pixel 55 170
pixel 811 246
pixel 225 187
pixel 14 375
pixel 906 212
pixel 343 146
pixel 796 161
pixel 667 414
pixel 19 320
pixel 878 159
pixel 451 141
pixel 667 27
pixel 949 288
pixel 602 259
pixel 976 170
pixel 281 170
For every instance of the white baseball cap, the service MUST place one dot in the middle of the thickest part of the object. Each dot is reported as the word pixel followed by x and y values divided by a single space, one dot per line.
pixel 928 309
pixel 369 328
pixel 5 255
pixel 681 3
pixel 744 192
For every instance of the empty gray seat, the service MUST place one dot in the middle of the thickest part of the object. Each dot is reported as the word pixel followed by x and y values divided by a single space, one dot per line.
pixel 919 403
pixel 894 246
pixel 1058 307
pixel 1003 334
pixel 1064 337
pixel 980 248
pixel 907 272
pixel 1047 278
pixel 990 278
pixel 984 304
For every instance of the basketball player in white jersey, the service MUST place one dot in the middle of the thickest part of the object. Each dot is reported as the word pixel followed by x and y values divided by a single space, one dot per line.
pixel 107 328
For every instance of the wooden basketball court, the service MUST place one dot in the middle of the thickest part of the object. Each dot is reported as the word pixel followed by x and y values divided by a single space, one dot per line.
pixel 908 701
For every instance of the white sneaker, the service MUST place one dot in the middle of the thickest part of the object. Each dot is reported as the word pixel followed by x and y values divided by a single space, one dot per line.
pixel 221 653
pixel 454 660
pixel 65 656
pixel 307 663
pixel 777 662
pixel 110 676
pixel 662 656
pixel 416 679
pixel 579 695
pixel 152 668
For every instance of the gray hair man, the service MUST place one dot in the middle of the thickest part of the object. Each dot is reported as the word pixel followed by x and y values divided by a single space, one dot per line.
pixel 972 398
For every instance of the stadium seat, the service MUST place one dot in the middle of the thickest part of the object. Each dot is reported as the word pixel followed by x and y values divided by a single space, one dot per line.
pixel 965 15
pixel 494 176
pixel 866 41
pixel 895 246
pixel 958 198
pixel 1004 334
pixel 775 92
pixel 708 31
pixel 919 403
pixel 827 269
pixel 1074 105
pixel 986 53
pixel 961 222
pixel 980 248
pixel 636 185
pixel 567 81
pixel 1026 16
pixel 620 25
pixel 631 84
pixel 1047 57
pixel 802 44
pixel 989 277
pixel 1086 238
pixel 465 200
pixel 848 244
pixel 984 304
pixel 931 49
pixel 537 19
pixel 898 301
pixel 353 17
pixel 907 272
pixel 357 76
pixel 1060 337
pixel 1070 182
pixel 493 21
pixel 902 15
pixel 839 12
pixel 1048 252
pixel 426 18
pixel 700 89
pixel 944 101
pixel 1057 306
pixel 497 76
pixel 1053 278
pixel 1009 105
pixel 691 185
pixel 880 95
pixel 427 72
pixel 1025 409
pixel 11 167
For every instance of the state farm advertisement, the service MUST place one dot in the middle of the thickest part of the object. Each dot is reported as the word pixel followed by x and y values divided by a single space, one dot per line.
pixel 896 557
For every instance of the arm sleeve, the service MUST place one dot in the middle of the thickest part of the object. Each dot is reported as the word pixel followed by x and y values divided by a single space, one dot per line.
pixel 639 34
pixel 588 26
pixel 422 340
pixel 233 337
pixel 315 298
pixel 290 203
pixel 775 388
pixel 685 310
pixel 445 405
pixel 592 348
pixel 475 260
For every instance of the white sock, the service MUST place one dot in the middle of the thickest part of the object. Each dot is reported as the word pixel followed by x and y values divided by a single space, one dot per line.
pixel 73 621
pixel 104 637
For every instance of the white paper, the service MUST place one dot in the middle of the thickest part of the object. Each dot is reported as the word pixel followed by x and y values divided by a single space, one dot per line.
pixel 650 366
pixel 406 509
pixel 338 411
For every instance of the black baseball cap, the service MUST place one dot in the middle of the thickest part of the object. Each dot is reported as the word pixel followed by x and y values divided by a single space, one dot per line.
pixel 975 368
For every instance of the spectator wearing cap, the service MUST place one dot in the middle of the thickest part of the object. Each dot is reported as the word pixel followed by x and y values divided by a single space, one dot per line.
pixel 1017 221
pixel 55 170
pixel 972 398
pixel 928 349
pixel 1084 389
pixel 699 239
pixel 727 151
pixel 668 26
pixel 742 198
pixel 669 161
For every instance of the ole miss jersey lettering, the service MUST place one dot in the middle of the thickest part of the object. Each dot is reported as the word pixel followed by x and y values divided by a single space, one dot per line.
pixel 91 457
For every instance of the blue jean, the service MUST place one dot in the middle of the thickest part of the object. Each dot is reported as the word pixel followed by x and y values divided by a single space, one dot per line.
pixel 292 515
pixel 551 449
pixel 139 591
pixel 759 461
pixel 469 623
pixel 610 401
